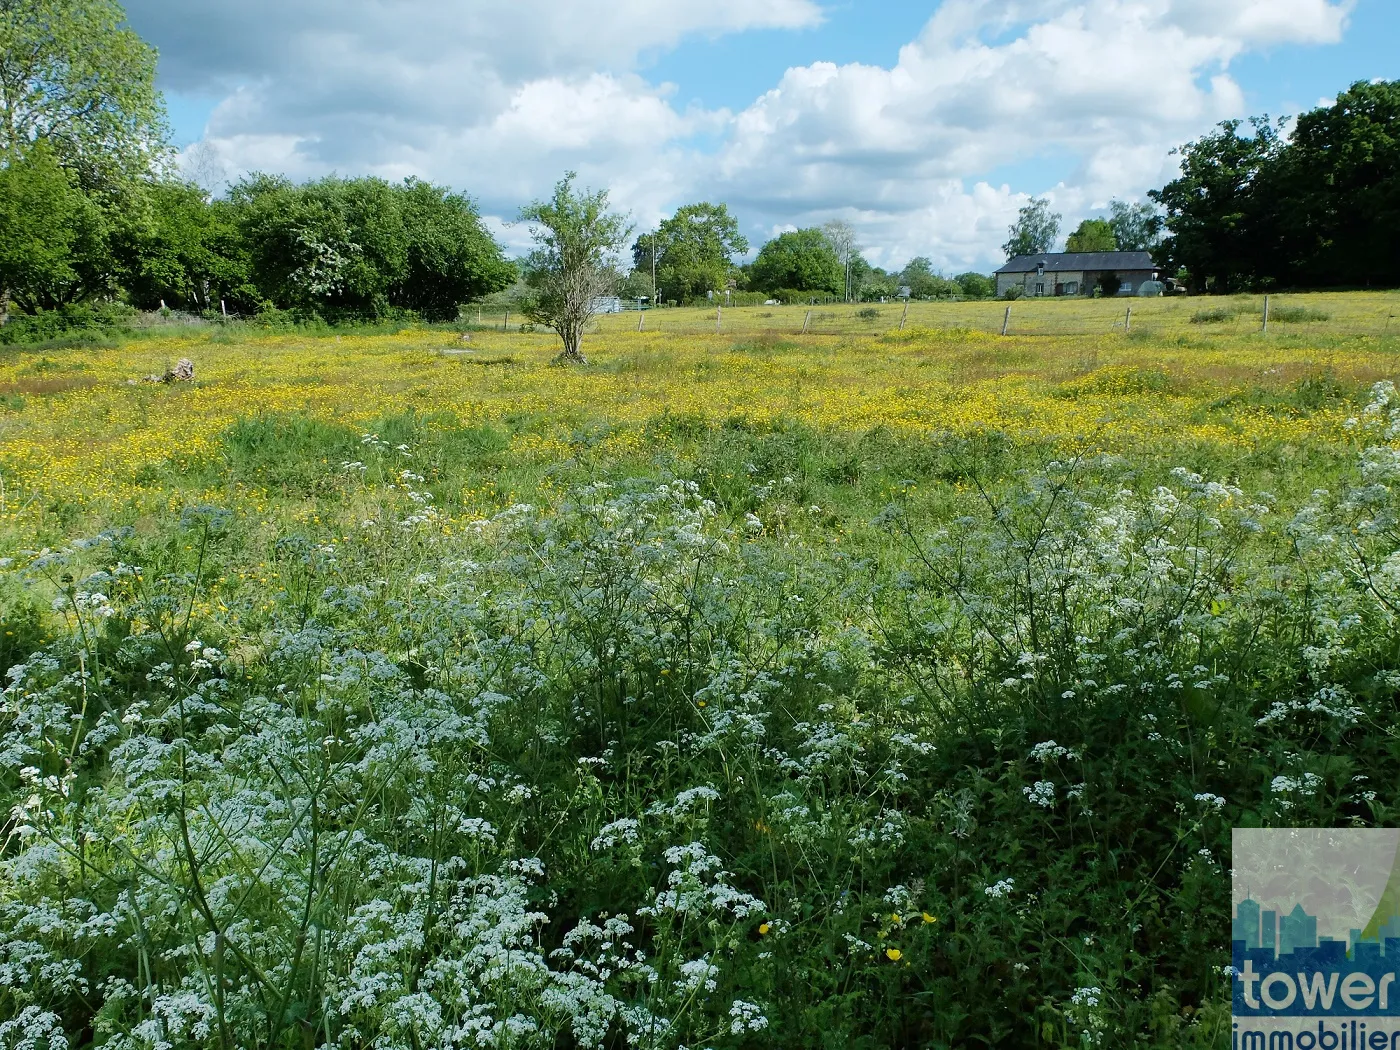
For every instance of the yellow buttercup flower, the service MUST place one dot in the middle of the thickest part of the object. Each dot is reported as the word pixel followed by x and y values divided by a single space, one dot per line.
pixel 893 954
pixel 930 918
pixel 763 929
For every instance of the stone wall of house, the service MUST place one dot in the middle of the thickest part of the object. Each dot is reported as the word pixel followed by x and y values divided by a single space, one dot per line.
pixel 1034 285
pixel 1082 282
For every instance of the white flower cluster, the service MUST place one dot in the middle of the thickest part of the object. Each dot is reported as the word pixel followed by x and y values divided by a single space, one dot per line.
pixel 746 1017
pixel 1305 784
pixel 1042 793
pixel 1000 889
pixel 1086 996
pixel 698 885
pixel 1048 749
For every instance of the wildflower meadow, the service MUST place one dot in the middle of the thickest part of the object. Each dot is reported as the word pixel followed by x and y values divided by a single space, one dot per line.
pixel 743 688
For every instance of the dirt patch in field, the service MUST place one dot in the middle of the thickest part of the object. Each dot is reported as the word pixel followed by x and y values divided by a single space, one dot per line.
pixel 42 387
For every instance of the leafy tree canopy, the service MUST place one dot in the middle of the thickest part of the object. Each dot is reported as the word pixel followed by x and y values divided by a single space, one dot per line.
pixel 695 250
pixel 1252 209
pixel 576 239
pixel 52 237
pixel 1034 230
pixel 976 285
pixel 875 283
pixel 1340 178
pixel 801 260
pixel 1217 220
pixel 74 75
pixel 172 244
pixel 841 235
pixel 1136 227
pixel 363 246
pixel 1092 235
pixel 924 282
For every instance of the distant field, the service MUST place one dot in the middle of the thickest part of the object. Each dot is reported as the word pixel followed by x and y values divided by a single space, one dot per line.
pixel 868 687
pixel 76 439
pixel 1311 314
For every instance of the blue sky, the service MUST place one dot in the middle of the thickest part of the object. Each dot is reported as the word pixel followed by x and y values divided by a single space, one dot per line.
pixel 926 125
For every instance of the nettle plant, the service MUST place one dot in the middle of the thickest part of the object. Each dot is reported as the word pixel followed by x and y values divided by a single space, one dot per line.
pixel 631 774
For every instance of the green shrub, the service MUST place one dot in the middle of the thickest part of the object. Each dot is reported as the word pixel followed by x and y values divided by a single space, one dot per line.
pixel 799 297
pixel 79 320
pixel 1297 314
pixel 748 298
pixel 1215 315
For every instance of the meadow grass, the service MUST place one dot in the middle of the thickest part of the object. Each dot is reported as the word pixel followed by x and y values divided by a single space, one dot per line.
pixel 881 687
pixel 75 437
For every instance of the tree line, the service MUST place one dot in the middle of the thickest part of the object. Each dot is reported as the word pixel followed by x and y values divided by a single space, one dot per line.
pixel 697 252
pixel 93 210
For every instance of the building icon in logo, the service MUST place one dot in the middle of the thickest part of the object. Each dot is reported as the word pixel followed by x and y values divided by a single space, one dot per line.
pixel 1315 938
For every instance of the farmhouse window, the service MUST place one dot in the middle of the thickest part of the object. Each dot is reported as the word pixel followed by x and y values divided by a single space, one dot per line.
pixel 1126 286
pixel 1071 287
pixel 1040 288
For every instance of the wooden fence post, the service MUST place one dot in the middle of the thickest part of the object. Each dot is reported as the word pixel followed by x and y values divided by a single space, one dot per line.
pixel 1266 315
pixel 805 321
pixel 1128 320
pixel 222 308
pixel 904 315
pixel 719 316
pixel 505 323
pixel 1006 321
pixel 641 317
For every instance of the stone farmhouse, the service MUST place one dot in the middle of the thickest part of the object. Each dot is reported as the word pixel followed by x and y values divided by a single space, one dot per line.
pixel 1079 273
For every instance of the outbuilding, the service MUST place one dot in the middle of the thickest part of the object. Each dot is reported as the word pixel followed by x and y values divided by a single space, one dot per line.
pixel 1077 273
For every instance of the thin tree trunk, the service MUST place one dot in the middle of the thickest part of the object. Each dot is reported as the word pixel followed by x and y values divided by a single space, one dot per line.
pixel 572 354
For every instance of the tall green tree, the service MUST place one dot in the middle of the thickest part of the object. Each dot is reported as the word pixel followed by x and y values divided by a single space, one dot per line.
pixel 976 285
pixel 876 284
pixel 1222 227
pixel 75 76
pixel 172 244
pixel 1338 179
pixel 1034 230
pixel 1092 235
pixel 694 251
pixel 363 247
pixel 1136 227
pixel 841 236
pixel 576 239
pixel 450 257
pixel 923 281
pixel 329 246
pixel 52 236
pixel 799 260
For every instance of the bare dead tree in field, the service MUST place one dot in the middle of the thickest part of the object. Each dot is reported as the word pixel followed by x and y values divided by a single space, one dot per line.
pixel 571 268
pixel 841 236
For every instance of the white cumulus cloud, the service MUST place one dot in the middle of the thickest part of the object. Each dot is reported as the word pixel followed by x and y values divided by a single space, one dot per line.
pixel 932 155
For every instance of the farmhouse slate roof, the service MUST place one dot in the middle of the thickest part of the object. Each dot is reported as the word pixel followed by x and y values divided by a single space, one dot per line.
pixel 1057 262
